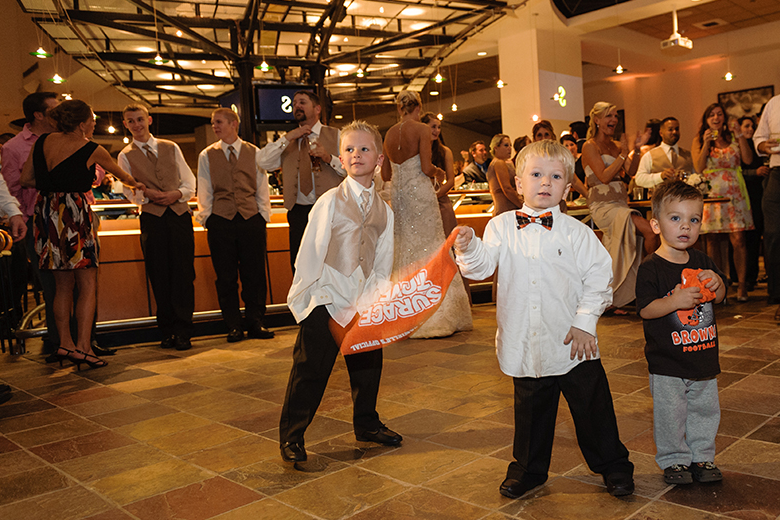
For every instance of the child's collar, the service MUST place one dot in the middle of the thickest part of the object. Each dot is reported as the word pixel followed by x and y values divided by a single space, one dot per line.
pixel 555 210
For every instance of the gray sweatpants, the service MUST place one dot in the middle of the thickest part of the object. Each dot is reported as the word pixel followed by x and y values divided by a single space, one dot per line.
pixel 686 415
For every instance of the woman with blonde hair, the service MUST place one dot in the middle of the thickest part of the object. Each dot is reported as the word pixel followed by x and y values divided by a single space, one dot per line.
pixel 501 176
pixel 418 229
pixel 605 162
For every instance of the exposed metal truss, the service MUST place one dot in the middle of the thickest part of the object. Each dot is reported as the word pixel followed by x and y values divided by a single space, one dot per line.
pixel 360 49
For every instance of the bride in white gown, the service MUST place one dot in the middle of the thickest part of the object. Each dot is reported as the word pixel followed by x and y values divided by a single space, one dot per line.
pixel 418 229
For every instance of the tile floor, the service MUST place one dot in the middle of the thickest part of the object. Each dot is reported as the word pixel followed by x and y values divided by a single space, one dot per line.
pixel 193 435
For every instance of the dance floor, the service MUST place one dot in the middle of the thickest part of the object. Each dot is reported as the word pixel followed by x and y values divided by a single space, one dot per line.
pixel 161 434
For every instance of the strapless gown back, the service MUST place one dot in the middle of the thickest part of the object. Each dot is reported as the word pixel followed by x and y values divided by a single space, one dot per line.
pixel 418 233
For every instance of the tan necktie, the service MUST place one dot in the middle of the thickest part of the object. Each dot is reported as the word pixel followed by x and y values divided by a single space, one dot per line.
pixel 304 167
pixel 150 155
pixel 233 159
pixel 365 197
pixel 674 158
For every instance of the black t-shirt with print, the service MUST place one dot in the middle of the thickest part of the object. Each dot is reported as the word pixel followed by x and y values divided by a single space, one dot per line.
pixel 683 343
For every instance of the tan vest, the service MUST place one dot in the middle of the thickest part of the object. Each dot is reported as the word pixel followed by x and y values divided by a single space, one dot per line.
pixel 661 160
pixel 323 180
pixel 353 240
pixel 234 187
pixel 164 177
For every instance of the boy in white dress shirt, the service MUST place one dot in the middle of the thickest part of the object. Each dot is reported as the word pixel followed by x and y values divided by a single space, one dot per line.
pixel 553 284
pixel 344 262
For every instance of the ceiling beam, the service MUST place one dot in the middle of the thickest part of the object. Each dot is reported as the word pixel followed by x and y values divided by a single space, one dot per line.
pixel 139 62
pixel 153 86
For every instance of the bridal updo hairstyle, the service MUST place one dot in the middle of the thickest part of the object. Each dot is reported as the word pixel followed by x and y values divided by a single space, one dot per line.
pixel 599 110
pixel 407 101
pixel 70 114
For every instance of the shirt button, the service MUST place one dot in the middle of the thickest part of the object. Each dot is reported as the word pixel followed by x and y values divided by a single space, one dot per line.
pixel 534 257
pixel 534 282
pixel 534 306
pixel 361 258
pixel 534 333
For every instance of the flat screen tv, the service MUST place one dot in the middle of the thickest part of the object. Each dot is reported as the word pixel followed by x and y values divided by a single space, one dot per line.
pixel 274 103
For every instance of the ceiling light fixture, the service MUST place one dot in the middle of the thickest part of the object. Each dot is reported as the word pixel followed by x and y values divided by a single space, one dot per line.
pixel 338 116
pixel 111 129
pixel 126 140
pixel 440 116
pixel 434 92
pixel 57 79
pixel 438 78
pixel 534 118
pixel 482 53
pixel 454 107
pixel 360 73
pixel 67 96
pixel 41 53
pixel 500 84
pixel 619 69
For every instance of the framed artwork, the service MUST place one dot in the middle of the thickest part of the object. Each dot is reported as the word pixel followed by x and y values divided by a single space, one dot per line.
pixel 748 102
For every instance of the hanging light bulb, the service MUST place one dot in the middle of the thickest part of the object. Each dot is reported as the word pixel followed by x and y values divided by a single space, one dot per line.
pixel 619 69
pixel 264 67
pixel 454 107
pixel 360 73
pixel 41 53
pixel 438 78
pixel 500 84
pixel 126 140
pixel 535 118
pixel 158 60
pixel 729 76
pixel 67 96
pixel 111 129
pixel 440 116
pixel 57 79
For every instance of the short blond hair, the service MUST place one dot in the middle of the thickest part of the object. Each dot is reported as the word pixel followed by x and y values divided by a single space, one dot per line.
pixel 362 126
pixel 229 114
pixel 135 107
pixel 547 149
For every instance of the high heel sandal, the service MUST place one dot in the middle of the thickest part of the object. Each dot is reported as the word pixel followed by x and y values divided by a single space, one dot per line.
pixel 87 358
pixel 61 357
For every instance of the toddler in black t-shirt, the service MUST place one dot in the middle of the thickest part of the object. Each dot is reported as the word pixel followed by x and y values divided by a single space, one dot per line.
pixel 681 338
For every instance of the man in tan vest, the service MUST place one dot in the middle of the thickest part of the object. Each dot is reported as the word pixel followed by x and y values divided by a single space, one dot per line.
pixel 665 161
pixel 167 239
pixel 234 207
pixel 309 159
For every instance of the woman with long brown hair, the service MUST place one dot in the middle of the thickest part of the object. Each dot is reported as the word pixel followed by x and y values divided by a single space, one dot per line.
pixel 441 157
pixel 717 154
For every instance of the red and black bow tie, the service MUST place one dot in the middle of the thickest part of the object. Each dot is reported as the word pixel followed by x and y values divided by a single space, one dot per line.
pixel 545 219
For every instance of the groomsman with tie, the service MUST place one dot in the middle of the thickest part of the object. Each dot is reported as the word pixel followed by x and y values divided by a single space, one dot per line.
pixel 234 207
pixel 665 161
pixel 167 239
pixel 309 159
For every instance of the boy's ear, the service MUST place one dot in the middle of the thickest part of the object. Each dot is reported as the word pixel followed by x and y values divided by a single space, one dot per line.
pixel 518 186
pixel 655 226
pixel 566 191
pixel 380 160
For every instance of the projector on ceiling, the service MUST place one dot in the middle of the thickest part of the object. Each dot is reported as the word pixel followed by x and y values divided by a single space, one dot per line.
pixel 677 45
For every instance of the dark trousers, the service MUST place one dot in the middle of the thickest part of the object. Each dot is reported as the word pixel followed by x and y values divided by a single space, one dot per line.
pixel 586 390
pixel 297 218
pixel 168 244
pixel 770 204
pixel 313 358
pixel 238 248
pixel 753 236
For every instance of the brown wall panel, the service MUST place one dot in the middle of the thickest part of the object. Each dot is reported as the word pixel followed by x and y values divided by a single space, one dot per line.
pixel 122 291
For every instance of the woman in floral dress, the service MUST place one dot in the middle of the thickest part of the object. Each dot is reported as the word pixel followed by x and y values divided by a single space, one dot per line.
pixel 717 155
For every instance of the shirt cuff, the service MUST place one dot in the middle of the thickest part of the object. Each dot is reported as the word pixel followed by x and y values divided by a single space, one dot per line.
pixel 586 322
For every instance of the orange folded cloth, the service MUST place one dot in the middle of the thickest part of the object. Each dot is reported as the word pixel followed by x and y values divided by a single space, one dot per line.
pixel 690 278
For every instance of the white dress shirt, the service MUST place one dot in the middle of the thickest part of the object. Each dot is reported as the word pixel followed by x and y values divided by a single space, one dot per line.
pixel 206 190
pixel 272 160
pixel 768 126
pixel 644 174
pixel 9 206
pixel 548 282
pixel 186 177
pixel 316 283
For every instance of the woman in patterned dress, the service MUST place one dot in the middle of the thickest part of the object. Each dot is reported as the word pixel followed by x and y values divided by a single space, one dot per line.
pixel 717 154
pixel 61 167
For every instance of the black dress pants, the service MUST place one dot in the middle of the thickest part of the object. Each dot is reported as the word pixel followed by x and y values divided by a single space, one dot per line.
pixel 168 244
pixel 586 390
pixel 297 218
pixel 238 247
pixel 314 354
pixel 770 205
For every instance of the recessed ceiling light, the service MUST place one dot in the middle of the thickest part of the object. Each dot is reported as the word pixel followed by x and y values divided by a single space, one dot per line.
pixel 482 53
pixel 205 87
pixel 420 25
pixel 144 49
pixel 338 116
pixel 412 11
pixel 345 67
pixel 178 33
pixel 434 92
pixel 221 73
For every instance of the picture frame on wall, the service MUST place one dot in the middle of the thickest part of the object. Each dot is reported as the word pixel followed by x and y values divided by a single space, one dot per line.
pixel 747 102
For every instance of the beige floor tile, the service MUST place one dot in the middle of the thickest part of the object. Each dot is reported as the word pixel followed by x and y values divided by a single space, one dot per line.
pixel 196 439
pixel 145 383
pixel 422 503
pixel 67 504
pixel 112 462
pixel 267 509
pixel 235 454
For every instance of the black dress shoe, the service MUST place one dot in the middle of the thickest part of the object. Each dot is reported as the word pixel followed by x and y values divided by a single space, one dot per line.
pixel 260 332
pixel 183 343
pixel 235 335
pixel 100 351
pixel 293 452
pixel 513 488
pixel 167 342
pixel 619 484
pixel 382 435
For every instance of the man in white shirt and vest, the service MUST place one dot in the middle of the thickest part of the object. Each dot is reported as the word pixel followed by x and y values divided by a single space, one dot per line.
pixel 309 159
pixel 667 160
pixel 767 141
pixel 167 239
pixel 234 207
